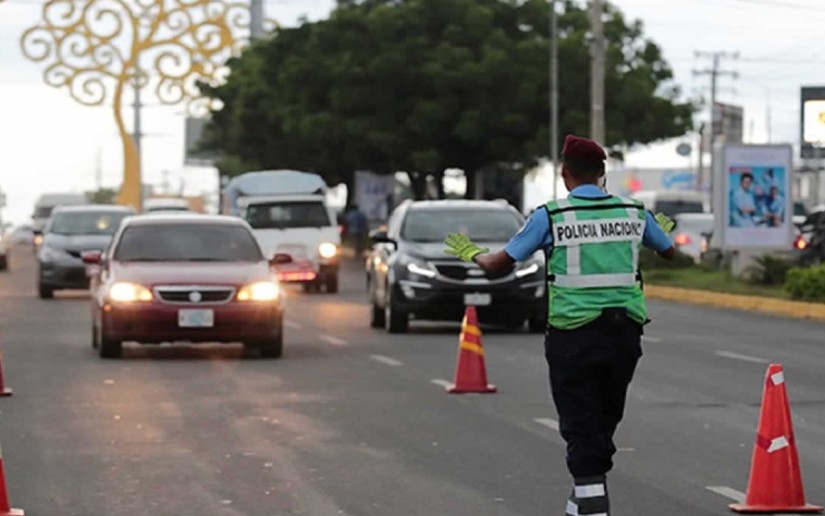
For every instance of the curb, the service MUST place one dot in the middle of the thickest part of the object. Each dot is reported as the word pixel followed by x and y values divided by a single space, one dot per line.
pixel 765 305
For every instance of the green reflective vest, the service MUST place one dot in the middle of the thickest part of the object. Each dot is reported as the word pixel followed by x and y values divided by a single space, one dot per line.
pixel 594 262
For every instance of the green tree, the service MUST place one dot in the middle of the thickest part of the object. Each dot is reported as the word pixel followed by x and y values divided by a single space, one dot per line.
pixel 102 196
pixel 425 85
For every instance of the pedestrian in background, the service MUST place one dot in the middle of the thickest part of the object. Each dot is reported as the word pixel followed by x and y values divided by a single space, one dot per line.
pixel 357 228
pixel 596 308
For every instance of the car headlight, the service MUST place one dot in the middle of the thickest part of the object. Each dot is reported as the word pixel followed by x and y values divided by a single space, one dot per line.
pixel 260 291
pixel 38 239
pixel 528 270
pixel 415 268
pixel 328 250
pixel 129 293
pixel 48 253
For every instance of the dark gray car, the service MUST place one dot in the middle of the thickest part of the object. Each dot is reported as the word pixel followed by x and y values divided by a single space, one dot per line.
pixel 71 231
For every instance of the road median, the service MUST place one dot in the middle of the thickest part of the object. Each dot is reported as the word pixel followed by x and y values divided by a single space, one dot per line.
pixel 766 305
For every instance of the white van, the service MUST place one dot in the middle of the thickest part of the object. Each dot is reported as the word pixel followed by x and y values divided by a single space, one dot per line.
pixel 48 202
pixel 674 202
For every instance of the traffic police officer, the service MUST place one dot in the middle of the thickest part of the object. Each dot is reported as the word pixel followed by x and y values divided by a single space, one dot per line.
pixel 595 304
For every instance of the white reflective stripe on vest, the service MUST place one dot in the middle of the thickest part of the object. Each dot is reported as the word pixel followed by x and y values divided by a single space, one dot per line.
pixel 573 252
pixel 594 280
pixel 633 213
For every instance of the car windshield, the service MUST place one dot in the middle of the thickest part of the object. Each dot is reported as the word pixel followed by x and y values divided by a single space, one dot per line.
pixel 694 225
pixel 187 243
pixel 282 215
pixel 86 223
pixel 482 225
pixel 674 207
pixel 43 212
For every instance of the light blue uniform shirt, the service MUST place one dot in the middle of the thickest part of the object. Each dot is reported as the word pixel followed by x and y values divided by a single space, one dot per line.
pixel 536 235
pixel 743 200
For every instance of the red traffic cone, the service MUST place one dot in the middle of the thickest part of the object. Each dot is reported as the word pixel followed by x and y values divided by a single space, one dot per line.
pixel 775 483
pixel 5 510
pixel 470 372
pixel 4 391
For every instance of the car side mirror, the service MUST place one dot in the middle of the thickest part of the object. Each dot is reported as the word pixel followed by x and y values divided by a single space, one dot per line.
pixel 92 257
pixel 37 232
pixel 280 259
pixel 380 236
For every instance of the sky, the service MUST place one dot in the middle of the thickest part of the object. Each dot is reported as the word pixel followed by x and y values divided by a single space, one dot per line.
pixel 50 143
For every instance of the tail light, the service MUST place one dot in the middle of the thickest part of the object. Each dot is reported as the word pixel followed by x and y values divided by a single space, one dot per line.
pixel 682 239
pixel 340 229
pixel 800 243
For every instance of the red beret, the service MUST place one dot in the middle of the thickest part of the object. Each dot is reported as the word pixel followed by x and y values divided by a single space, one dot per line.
pixel 576 147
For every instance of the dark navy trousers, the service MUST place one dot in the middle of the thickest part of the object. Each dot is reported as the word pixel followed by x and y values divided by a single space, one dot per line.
pixel 590 370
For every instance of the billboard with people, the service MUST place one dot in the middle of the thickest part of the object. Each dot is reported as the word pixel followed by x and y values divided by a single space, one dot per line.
pixel 754 196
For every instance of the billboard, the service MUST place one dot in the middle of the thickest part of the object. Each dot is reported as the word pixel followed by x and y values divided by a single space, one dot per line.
pixel 812 123
pixel 752 200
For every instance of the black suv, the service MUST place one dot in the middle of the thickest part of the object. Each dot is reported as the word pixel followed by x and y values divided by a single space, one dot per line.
pixel 408 273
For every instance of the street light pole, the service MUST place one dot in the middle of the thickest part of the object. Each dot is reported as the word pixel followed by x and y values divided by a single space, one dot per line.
pixel 554 96
pixel 256 19
pixel 597 72
pixel 137 136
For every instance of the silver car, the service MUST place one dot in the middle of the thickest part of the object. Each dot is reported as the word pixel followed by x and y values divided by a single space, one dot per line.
pixel 692 233
pixel 72 231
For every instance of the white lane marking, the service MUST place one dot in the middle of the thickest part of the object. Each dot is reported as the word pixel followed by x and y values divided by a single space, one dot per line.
pixel 387 360
pixel 552 424
pixel 651 339
pixel 335 341
pixel 293 325
pixel 743 358
pixel 444 383
pixel 727 492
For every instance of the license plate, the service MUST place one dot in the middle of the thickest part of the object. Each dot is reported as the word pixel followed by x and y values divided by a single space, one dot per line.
pixel 478 299
pixel 196 318
pixel 92 270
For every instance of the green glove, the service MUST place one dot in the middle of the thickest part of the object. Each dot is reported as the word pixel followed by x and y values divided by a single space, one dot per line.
pixel 666 223
pixel 460 245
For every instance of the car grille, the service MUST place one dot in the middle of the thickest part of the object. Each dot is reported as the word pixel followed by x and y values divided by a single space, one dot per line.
pixel 195 295
pixel 462 272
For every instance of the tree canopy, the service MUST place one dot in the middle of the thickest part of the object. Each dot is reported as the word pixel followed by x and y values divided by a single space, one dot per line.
pixel 425 85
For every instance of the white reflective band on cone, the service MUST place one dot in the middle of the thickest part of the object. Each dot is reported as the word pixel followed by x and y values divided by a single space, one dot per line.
pixel 595 280
pixel 778 444
pixel 778 378
pixel 573 510
pixel 589 491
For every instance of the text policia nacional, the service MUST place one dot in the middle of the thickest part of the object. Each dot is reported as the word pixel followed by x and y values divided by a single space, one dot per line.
pixel 594 231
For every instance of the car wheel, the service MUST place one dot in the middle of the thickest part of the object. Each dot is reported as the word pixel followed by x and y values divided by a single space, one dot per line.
pixel 398 321
pixel 312 286
pixel 537 324
pixel 107 348
pixel 45 292
pixel 378 317
pixel 274 347
pixel 332 283
pixel 4 263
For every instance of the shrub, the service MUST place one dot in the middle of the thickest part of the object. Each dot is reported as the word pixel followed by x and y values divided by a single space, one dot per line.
pixel 806 284
pixel 768 270
pixel 649 260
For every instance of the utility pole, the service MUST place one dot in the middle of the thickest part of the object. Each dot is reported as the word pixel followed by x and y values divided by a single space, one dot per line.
pixel 256 19
pixel 99 168
pixel 715 71
pixel 554 96
pixel 597 65
pixel 137 135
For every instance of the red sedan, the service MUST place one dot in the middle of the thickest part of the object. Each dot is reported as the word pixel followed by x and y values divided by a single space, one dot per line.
pixel 185 278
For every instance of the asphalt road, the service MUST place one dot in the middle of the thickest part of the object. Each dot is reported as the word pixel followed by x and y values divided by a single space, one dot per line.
pixel 353 421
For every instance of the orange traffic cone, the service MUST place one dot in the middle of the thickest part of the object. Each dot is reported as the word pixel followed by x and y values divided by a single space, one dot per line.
pixel 4 391
pixel 5 510
pixel 775 483
pixel 470 373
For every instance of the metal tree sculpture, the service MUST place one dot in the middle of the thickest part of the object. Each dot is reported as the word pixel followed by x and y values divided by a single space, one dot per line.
pixel 98 48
